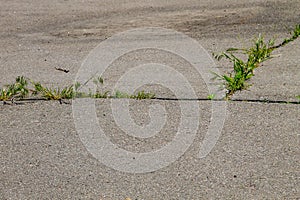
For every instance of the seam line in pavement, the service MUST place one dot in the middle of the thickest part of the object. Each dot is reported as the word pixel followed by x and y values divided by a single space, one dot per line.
pixel 67 101
pixel 232 100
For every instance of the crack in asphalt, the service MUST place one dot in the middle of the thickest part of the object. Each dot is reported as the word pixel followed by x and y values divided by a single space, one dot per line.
pixel 67 101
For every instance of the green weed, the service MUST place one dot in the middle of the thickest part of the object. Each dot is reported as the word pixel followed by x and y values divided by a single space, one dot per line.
pixel 98 94
pixel 211 96
pixel 54 93
pixel 98 80
pixel 120 95
pixel 243 70
pixel 140 95
pixel 20 89
pixel 16 90
pixel 101 95
pixel 143 95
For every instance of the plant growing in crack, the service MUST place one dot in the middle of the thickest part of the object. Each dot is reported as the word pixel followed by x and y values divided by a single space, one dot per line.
pixel 243 70
pixel 16 90
pixel 143 95
pixel 211 96
pixel 139 95
pixel 98 94
pixel 21 89
pixel 67 92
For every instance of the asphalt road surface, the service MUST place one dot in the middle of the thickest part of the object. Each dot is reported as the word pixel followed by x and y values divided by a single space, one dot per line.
pixel 45 155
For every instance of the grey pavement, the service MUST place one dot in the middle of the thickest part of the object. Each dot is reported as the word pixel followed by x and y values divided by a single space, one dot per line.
pixel 42 153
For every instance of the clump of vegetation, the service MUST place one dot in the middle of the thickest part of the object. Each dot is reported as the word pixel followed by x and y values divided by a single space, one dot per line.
pixel 143 95
pixel 243 70
pixel 99 94
pixel 139 96
pixel 54 93
pixel 211 96
pixel 16 90
pixel 21 89
pixel 120 95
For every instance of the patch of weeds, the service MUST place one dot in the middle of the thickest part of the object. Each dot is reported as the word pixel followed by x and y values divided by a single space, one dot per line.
pixel 18 89
pixel 143 95
pixel 78 94
pixel 99 82
pixel 211 96
pixel 54 93
pixel 4 94
pixel 243 70
pixel 101 95
pixel 139 96
pixel 120 95
pixel 21 90
pixel 298 97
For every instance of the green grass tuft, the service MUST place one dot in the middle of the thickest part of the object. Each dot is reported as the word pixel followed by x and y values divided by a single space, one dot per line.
pixel 16 90
pixel 21 90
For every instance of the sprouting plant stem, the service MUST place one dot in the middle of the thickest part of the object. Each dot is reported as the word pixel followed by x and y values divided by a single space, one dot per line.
pixel 243 70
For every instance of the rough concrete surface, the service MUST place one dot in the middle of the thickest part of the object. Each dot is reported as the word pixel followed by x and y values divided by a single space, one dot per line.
pixel 42 156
